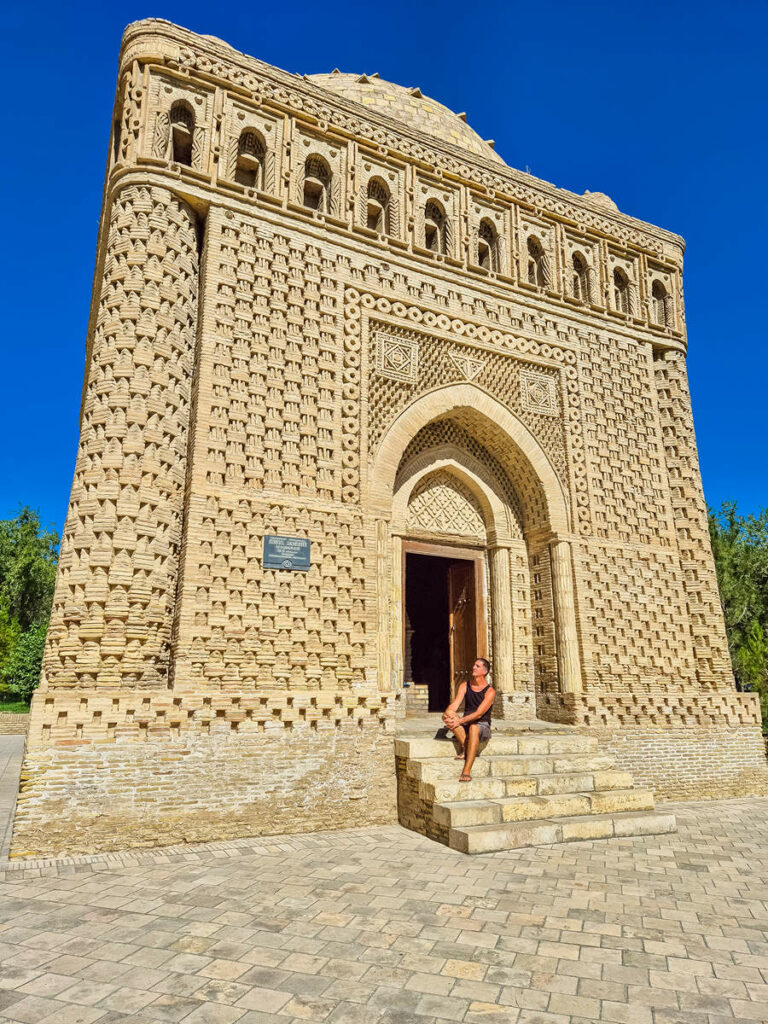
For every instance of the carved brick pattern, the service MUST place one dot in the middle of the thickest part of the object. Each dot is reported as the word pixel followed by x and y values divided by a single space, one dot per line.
pixel 448 432
pixel 704 612
pixel 639 592
pixel 661 709
pixel 246 627
pixel 159 715
pixel 113 605
pixel 542 618
pixel 625 458
pixel 539 393
pixel 274 86
pixel 442 504
pixel 282 407
pixel 437 365
pixel 397 358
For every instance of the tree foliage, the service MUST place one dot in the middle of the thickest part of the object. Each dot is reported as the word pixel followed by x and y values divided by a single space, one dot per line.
pixel 28 557
pixel 740 547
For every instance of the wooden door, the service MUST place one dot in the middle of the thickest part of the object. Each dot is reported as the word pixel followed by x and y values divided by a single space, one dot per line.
pixel 462 621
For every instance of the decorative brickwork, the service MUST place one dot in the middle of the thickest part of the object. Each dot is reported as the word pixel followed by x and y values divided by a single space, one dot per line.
pixel 705 615
pixel 113 605
pixel 441 504
pixel 652 706
pixel 325 309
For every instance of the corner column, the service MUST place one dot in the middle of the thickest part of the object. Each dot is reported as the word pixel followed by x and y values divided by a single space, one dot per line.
pixel 394 613
pixel 566 634
pixel 501 618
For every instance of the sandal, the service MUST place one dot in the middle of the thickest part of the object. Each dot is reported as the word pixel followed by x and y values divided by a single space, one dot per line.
pixel 464 777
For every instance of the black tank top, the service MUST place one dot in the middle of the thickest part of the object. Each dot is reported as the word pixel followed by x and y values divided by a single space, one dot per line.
pixel 472 702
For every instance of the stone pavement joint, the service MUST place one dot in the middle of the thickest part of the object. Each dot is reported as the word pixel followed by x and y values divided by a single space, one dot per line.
pixel 384 926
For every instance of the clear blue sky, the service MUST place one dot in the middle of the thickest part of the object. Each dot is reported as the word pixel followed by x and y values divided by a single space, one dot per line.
pixel 662 105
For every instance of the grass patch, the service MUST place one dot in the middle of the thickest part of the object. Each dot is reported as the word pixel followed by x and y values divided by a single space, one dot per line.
pixel 14 707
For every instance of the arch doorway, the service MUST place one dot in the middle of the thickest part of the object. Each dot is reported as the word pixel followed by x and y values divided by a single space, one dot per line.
pixel 474 551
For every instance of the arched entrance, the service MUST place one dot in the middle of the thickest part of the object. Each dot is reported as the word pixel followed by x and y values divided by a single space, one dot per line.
pixel 458 478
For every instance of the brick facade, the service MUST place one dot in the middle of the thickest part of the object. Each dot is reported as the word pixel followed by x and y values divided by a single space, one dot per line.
pixel 325 308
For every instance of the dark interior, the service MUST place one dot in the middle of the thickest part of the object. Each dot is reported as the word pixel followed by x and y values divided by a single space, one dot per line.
pixel 426 602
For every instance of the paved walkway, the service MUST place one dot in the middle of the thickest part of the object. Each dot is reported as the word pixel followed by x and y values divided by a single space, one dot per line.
pixel 382 926
pixel 11 756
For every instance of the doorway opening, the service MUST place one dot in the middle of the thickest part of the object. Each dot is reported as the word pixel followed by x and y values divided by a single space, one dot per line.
pixel 443 622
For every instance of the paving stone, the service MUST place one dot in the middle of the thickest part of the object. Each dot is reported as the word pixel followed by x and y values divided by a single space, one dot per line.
pixel 215 1013
pixel 399 911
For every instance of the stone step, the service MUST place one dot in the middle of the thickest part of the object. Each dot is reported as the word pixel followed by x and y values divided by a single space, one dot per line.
pixel 493 838
pixel 413 747
pixel 449 790
pixel 462 813
pixel 505 766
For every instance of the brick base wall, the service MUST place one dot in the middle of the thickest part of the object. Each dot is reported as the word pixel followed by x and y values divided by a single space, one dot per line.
pixel 692 763
pixel 414 812
pixel 89 798
pixel 13 725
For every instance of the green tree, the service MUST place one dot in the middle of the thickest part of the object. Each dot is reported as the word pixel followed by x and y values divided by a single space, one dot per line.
pixel 22 670
pixel 740 548
pixel 28 557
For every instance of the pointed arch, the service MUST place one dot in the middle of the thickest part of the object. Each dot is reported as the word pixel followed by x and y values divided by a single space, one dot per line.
pixel 520 447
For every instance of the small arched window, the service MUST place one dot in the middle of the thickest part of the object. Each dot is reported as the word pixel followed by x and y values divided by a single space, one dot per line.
pixel 378 207
pixel 434 227
pixel 537 263
pixel 660 305
pixel 317 184
pixel 580 278
pixel 620 291
pixel 488 246
pixel 182 133
pixel 249 169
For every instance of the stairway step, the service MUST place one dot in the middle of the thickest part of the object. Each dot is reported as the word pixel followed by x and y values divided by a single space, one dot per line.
pixel 449 790
pixel 494 838
pixel 612 779
pixel 515 765
pixel 460 813
pixel 580 782
pixel 560 743
pixel 529 808
pixel 433 769
pixel 576 804
pixel 509 766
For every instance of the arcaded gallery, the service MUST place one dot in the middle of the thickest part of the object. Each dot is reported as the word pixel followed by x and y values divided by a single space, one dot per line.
pixel 361 403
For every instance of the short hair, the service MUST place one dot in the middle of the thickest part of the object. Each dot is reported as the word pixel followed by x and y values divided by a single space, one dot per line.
pixel 486 663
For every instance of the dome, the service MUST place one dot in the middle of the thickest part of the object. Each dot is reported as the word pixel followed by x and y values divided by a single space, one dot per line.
pixel 409 106
pixel 601 199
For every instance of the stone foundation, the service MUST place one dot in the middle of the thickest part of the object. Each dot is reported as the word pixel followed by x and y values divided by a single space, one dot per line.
pixel 414 812
pixel 692 763
pixel 221 785
pixel 685 745
pixel 14 725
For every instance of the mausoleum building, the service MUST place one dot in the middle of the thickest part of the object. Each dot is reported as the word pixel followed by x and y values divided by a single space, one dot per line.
pixel 362 402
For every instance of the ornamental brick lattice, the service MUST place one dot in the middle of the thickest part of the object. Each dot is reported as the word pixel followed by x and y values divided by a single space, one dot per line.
pixel 324 308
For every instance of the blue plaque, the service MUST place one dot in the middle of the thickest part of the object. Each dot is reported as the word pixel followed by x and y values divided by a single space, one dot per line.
pixel 290 553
